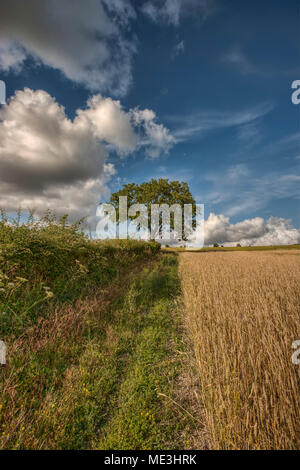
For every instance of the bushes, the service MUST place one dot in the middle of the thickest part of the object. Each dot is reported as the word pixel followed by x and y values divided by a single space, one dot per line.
pixel 50 261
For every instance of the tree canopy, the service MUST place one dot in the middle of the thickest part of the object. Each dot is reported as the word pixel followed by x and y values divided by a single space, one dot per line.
pixel 161 191
pixel 157 191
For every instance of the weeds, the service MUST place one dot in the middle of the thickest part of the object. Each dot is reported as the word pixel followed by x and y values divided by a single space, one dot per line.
pixel 45 263
pixel 92 333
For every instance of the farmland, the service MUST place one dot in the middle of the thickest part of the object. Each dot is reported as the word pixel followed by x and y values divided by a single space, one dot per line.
pixel 242 316
pixel 118 345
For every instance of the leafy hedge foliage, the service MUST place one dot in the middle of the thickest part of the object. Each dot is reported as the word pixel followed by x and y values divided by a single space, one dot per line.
pixel 50 261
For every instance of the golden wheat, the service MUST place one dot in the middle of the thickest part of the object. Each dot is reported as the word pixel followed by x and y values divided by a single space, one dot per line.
pixel 242 316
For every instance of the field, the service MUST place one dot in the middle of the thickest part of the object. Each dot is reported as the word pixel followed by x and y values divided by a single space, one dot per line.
pixel 242 315
pixel 118 345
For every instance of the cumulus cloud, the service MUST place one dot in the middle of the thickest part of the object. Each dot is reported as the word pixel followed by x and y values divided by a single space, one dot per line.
pixel 87 41
pixel 157 138
pixel 254 232
pixel 110 122
pixel 48 161
pixel 171 11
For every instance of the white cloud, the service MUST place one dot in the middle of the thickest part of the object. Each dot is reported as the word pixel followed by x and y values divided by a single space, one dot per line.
pixel 12 55
pixel 172 11
pixel 157 137
pixel 254 232
pixel 289 144
pixel 178 48
pixel 110 123
pixel 84 40
pixel 250 133
pixel 167 11
pixel 238 59
pixel 91 42
pixel 198 124
pixel 238 189
pixel 121 10
pixel 236 172
pixel 50 161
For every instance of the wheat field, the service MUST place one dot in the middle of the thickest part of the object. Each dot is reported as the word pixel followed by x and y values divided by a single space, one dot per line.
pixel 242 314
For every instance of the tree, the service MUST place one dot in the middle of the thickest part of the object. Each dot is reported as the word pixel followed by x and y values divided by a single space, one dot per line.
pixel 161 191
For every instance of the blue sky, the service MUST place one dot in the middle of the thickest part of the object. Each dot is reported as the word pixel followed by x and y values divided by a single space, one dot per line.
pixel 217 75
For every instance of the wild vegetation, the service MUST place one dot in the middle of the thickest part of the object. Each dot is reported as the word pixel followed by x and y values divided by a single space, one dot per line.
pixel 102 353
pixel 45 263
pixel 91 333
pixel 242 316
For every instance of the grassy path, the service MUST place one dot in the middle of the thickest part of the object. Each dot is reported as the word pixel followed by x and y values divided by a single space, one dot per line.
pixel 103 374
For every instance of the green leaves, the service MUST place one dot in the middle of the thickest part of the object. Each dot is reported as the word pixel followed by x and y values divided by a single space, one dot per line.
pixel 161 191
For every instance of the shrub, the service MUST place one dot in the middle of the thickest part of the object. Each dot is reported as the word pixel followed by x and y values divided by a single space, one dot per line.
pixel 51 261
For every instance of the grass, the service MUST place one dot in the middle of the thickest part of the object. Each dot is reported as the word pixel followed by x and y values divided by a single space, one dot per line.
pixel 142 415
pixel 45 264
pixel 242 315
pixel 96 363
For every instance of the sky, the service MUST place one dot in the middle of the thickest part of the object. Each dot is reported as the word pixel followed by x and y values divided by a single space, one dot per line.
pixel 105 92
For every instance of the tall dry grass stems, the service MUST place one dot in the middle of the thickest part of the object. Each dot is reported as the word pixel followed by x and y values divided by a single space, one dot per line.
pixel 242 315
